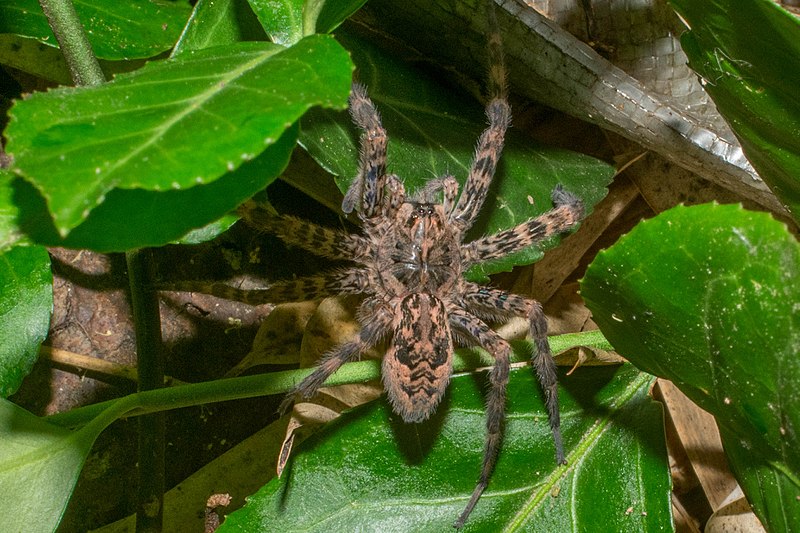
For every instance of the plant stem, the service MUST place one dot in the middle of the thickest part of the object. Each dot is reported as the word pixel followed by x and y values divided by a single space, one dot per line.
pixel 66 26
pixel 150 363
pixel 85 70
pixel 220 390
pixel 281 382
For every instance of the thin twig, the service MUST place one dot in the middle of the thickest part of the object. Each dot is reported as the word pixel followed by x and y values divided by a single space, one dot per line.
pixel 150 360
pixel 85 70
pixel 100 369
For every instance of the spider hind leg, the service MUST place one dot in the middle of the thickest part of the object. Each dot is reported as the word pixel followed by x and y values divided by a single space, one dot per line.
pixel 496 400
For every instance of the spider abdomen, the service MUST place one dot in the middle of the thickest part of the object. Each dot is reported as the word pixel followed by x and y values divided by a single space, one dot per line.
pixel 418 363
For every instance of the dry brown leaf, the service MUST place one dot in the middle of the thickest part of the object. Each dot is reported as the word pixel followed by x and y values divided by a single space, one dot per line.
pixel 332 324
pixel 566 312
pixel 734 517
pixel 240 471
pixel 587 356
pixel 700 438
pixel 279 336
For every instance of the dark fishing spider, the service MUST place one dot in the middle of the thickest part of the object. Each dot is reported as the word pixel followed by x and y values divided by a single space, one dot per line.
pixel 409 261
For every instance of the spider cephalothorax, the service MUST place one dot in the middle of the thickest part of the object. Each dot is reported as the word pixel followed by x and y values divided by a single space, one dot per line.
pixel 408 263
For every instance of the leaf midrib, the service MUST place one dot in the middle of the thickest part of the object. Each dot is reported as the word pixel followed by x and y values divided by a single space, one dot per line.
pixel 574 460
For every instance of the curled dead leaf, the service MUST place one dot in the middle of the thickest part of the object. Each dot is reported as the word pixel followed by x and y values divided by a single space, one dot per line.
pixel 332 324
pixel 279 337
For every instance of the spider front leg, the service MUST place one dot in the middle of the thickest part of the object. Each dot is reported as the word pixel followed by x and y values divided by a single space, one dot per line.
pixel 319 240
pixel 348 281
pixel 377 321
pixel 494 303
pixel 491 142
pixel 490 146
pixel 496 401
pixel 567 213
pixel 371 179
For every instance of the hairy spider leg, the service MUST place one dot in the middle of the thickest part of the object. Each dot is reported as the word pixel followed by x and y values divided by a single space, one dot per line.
pixel 567 213
pixel 322 241
pixel 496 401
pixel 498 304
pixel 376 320
pixel 490 144
pixel 345 281
pixel 371 179
pixel 396 195
pixel 487 154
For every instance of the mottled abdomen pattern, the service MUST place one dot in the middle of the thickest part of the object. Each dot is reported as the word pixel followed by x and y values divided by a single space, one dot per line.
pixel 417 366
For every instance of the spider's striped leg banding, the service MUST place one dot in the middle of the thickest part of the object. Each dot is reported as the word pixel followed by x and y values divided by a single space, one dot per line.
pixel 494 304
pixel 499 348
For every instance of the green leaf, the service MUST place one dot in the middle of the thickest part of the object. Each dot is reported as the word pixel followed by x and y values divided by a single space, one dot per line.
pixel 368 471
pixel 116 30
pixel 26 302
pixel 33 57
pixel 749 56
pixel 10 232
pixel 707 296
pixel 432 132
pixel 217 23
pixel 282 20
pixel 209 231
pixel 172 125
pixel 288 21
pixel 329 14
pixel 137 218
pixel 40 463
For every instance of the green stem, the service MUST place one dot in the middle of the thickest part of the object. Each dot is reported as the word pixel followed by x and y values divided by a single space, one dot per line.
pixel 150 366
pixel 66 26
pixel 220 390
pixel 281 382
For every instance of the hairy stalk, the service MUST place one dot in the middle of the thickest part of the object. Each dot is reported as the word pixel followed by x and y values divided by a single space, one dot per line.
pixel 82 63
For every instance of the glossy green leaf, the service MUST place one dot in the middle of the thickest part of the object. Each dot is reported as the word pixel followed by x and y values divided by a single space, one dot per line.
pixel 282 20
pixel 432 131
pixel 26 302
pixel 288 21
pixel 748 53
pixel 368 471
pixel 10 232
pixel 215 23
pixel 40 463
pixel 171 125
pixel 137 218
pixel 707 296
pixel 116 30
